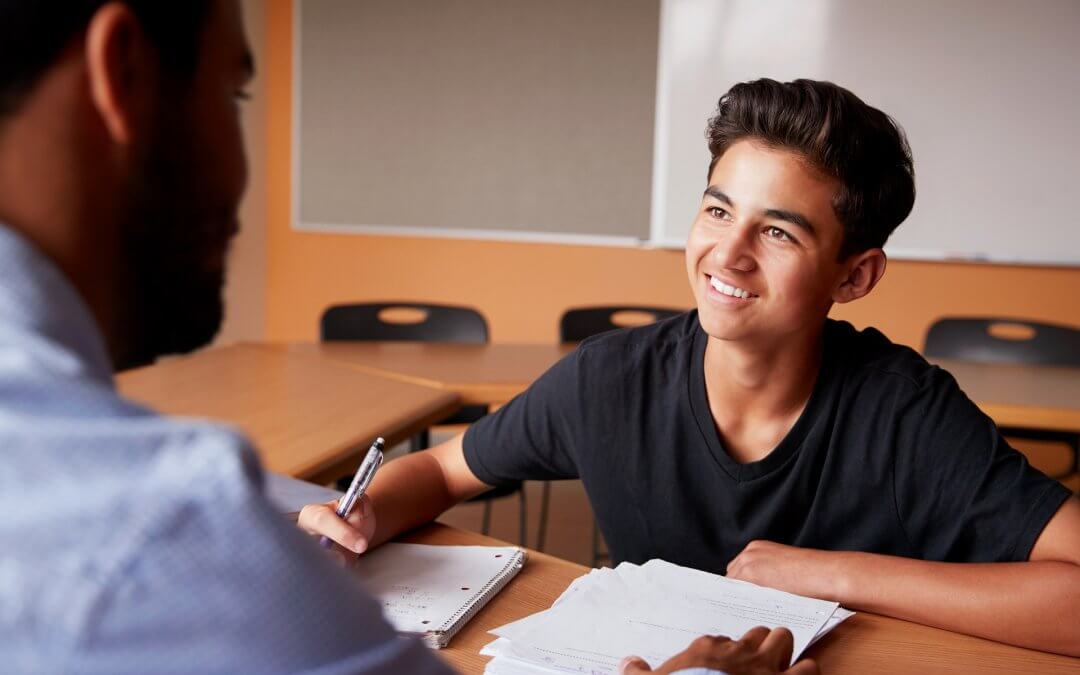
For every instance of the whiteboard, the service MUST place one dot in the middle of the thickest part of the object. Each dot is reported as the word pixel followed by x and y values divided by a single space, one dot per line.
pixel 988 92
pixel 505 119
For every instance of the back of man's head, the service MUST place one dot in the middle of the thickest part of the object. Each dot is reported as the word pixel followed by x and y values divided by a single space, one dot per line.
pixel 35 32
pixel 129 109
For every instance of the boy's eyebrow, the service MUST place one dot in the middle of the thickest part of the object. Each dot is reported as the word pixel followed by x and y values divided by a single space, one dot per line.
pixel 718 194
pixel 795 218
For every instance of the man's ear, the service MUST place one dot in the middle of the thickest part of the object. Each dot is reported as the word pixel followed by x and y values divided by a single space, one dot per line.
pixel 864 270
pixel 120 71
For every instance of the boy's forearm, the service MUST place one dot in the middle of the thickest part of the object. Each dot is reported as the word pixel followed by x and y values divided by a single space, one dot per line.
pixel 419 487
pixel 1030 604
pixel 407 493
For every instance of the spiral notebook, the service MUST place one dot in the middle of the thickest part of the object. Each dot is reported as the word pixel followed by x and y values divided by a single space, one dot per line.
pixel 432 591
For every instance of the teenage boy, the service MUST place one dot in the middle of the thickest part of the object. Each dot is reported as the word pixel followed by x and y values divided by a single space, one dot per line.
pixel 135 543
pixel 758 438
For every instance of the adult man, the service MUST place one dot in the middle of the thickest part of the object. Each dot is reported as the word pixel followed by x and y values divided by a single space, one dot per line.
pixel 755 436
pixel 133 543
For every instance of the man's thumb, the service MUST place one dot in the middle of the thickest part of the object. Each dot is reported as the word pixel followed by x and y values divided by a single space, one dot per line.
pixel 632 665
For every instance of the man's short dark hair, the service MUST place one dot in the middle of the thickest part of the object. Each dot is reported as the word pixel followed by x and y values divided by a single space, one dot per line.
pixel 844 138
pixel 35 32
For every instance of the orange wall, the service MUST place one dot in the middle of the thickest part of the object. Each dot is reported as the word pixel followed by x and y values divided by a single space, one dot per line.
pixel 523 288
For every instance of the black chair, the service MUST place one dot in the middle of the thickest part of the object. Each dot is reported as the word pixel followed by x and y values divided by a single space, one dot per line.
pixel 584 322
pixel 983 340
pixel 437 323
pixel 580 323
pixel 979 340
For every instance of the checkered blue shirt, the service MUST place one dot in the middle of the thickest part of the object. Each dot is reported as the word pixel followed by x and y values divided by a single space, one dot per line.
pixel 132 543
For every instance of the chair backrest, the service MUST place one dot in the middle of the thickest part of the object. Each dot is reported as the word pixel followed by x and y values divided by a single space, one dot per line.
pixel 996 340
pixel 437 323
pixel 582 322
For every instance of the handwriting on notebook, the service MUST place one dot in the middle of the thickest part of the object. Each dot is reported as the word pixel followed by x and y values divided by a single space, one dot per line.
pixel 432 590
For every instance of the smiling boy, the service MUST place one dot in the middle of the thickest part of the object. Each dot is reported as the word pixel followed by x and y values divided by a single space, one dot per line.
pixel 757 437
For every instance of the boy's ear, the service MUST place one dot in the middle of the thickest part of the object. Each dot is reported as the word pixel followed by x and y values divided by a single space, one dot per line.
pixel 864 270
pixel 119 71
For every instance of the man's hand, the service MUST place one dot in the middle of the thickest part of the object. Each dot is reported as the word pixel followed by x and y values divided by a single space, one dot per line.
pixel 352 535
pixel 804 571
pixel 758 652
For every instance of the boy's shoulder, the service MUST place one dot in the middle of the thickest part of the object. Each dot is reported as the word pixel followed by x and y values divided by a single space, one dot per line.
pixel 869 355
pixel 639 350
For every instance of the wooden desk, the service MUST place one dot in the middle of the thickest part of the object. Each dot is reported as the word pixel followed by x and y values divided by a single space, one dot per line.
pixel 306 416
pixel 1031 396
pixel 1040 397
pixel 865 643
pixel 489 374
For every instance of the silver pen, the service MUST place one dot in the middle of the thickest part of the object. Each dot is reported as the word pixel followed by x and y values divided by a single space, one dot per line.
pixel 360 482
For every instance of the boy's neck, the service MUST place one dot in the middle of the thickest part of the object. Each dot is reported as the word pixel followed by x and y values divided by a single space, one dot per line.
pixel 757 392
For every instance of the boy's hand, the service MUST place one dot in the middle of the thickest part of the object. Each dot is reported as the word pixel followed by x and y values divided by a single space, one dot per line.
pixel 758 652
pixel 804 571
pixel 352 535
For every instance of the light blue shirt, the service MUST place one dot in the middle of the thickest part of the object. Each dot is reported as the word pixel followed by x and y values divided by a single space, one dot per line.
pixel 131 543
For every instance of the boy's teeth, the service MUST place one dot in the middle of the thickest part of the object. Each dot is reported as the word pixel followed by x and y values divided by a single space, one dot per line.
pixel 733 291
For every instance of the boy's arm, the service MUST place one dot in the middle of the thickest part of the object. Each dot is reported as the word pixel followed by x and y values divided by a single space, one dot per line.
pixel 1031 604
pixel 528 438
pixel 406 493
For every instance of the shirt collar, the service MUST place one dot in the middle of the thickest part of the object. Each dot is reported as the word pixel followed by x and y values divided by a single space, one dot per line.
pixel 43 318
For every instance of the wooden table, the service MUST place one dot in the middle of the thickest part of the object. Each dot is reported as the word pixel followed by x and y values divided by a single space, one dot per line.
pixel 865 643
pixel 1040 397
pixel 306 416
pixel 1024 396
pixel 489 374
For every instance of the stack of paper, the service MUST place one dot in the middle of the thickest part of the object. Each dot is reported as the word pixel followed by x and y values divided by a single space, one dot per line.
pixel 653 611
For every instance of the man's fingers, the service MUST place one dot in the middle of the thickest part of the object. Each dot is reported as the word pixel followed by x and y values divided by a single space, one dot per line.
pixel 778 644
pixel 633 665
pixel 754 637
pixel 804 667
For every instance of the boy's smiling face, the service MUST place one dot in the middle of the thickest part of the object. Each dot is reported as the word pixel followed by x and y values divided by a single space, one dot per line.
pixel 762 252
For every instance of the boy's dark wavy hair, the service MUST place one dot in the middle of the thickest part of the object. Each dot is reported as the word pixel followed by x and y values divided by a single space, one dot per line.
pixel 860 146
pixel 33 34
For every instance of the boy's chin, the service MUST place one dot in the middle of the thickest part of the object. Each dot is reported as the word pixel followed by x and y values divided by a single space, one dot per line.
pixel 724 328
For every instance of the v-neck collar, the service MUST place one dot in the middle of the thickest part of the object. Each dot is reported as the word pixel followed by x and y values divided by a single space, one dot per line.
pixel 788 445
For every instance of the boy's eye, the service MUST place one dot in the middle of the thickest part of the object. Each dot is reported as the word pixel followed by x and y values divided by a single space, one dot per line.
pixel 242 95
pixel 777 233
pixel 717 212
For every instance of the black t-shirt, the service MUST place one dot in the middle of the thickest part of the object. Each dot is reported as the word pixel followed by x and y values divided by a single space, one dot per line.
pixel 889 455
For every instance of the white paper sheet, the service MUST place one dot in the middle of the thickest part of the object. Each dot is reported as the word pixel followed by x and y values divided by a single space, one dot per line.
pixel 654 611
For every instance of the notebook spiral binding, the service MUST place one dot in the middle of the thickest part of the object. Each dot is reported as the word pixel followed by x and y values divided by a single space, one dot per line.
pixel 441 636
